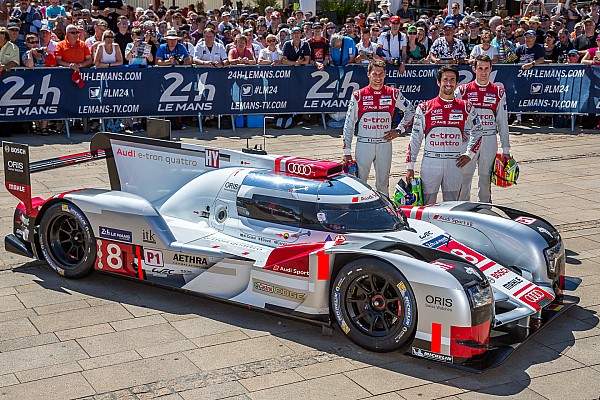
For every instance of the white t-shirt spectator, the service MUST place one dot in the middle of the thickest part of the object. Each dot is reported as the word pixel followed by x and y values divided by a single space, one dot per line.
pixel 139 58
pixel 369 51
pixel 478 50
pixel 394 46
pixel 217 53
pixel 267 54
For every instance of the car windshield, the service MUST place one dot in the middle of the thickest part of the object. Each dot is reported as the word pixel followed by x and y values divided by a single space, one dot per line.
pixel 373 216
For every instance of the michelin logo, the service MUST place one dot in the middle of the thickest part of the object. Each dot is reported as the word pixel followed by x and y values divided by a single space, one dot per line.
pixel 436 242
pixel 431 356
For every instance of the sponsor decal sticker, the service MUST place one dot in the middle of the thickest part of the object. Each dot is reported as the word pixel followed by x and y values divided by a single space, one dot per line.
pixel 452 220
pixel 114 234
pixel 148 236
pixel 431 356
pixel 190 261
pixel 277 291
pixel 230 186
pixel 443 265
pixel 425 235
pixel 211 158
pixel 436 242
pixel 438 303
pixel 525 220
pixel 153 258
pixel 513 283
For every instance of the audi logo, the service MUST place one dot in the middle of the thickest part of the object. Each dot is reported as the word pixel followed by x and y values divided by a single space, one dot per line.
pixel 300 169
pixel 534 295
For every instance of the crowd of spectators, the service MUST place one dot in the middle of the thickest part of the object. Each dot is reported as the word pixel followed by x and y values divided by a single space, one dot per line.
pixel 40 34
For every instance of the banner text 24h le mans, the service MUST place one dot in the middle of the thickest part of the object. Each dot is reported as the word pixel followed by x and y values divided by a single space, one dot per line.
pixel 49 93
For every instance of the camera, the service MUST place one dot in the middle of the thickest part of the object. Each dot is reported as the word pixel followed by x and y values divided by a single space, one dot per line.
pixel 180 59
pixel 153 33
pixel 395 62
pixel 40 49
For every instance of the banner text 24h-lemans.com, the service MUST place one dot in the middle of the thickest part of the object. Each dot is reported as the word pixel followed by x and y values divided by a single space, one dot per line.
pixel 49 93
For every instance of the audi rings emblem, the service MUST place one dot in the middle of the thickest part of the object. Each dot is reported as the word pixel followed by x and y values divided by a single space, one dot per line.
pixel 300 169
pixel 534 295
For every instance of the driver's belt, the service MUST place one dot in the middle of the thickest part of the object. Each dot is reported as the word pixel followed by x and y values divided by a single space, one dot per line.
pixel 364 139
pixel 433 154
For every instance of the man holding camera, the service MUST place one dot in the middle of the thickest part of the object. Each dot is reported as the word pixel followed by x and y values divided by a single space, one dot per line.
pixel 394 44
pixel 373 108
pixel 172 53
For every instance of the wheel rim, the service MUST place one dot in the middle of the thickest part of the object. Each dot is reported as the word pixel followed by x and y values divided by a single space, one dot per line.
pixel 374 305
pixel 66 240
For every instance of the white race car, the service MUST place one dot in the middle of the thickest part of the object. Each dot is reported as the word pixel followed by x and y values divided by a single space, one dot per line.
pixel 458 283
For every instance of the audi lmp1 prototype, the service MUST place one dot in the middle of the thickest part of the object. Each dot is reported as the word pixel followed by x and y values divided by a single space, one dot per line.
pixel 458 283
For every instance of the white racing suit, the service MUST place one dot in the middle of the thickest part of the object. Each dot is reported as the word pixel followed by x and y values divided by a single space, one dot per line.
pixel 450 128
pixel 490 102
pixel 374 110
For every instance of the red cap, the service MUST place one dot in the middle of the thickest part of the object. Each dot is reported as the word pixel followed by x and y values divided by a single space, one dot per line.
pixel 395 18
pixel 76 78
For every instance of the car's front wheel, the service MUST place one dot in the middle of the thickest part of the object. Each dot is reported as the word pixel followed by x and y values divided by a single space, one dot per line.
pixel 67 240
pixel 374 305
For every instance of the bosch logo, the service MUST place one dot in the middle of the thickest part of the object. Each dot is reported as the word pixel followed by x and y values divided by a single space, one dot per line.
pixel 15 150
pixel 300 169
pixel 534 295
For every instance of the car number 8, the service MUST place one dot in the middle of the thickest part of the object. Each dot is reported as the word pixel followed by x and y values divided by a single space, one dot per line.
pixel 469 257
pixel 113 258
pixel 110 255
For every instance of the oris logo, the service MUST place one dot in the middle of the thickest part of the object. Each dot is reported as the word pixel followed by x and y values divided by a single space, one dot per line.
pixel 231 186
pixel 300 169
pixel 534 295
pixel 438 301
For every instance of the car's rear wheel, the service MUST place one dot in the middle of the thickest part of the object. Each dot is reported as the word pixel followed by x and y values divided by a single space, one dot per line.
pixel 374 305
pixel 67 240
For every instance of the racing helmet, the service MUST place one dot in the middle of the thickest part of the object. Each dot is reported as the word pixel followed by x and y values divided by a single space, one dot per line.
pixel 408 194
pixel 504 174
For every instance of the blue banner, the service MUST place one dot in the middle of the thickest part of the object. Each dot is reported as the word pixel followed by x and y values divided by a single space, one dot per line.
pixel 124 92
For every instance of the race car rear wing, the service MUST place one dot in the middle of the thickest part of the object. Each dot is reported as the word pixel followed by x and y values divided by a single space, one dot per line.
pixel 17 168
pixel 153 168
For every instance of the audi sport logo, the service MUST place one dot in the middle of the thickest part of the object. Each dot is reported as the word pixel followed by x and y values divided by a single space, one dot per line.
pixel 534 295
pixel 300 169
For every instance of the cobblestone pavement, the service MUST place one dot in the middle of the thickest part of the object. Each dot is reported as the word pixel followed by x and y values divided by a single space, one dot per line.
pixel 107 338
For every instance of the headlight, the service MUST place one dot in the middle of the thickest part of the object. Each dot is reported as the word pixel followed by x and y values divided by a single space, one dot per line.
pixel 554 257
pixel 479 295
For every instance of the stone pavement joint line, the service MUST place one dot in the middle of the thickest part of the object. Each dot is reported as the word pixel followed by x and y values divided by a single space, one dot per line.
pixel 217 377
pixel 573 226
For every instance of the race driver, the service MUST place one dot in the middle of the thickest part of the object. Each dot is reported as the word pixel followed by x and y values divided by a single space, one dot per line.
pixel 452 132
pixel 490 102
pixel 373 108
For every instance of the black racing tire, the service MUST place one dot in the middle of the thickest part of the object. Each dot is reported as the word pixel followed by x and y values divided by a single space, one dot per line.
pixel 374 305
pixel 67 240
